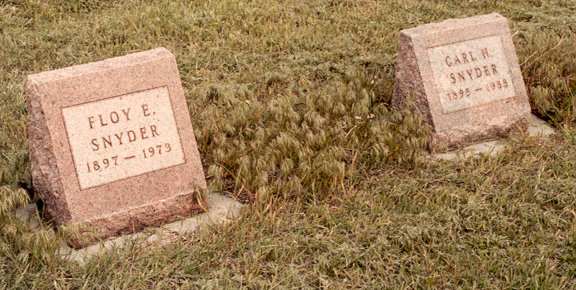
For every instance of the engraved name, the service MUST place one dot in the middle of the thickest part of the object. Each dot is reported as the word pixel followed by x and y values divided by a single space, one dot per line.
pixel 123 137
pixel 472 73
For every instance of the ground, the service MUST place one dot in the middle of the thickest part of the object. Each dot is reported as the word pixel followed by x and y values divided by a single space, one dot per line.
pixel 290 101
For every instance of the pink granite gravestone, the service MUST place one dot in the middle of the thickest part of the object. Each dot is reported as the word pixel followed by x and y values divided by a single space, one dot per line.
pixel 112 145
pixel 464 78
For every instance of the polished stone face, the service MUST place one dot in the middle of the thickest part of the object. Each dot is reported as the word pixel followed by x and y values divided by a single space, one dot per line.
pixel 471 73
pixel 123 136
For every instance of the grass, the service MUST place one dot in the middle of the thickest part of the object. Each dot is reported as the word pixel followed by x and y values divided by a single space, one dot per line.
pixel 291 107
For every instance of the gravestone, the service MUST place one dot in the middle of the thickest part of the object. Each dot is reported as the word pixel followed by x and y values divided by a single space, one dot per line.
pixel 463 77
pixel 112 146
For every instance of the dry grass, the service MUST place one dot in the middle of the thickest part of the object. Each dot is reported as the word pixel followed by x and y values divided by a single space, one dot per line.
pixel 290 103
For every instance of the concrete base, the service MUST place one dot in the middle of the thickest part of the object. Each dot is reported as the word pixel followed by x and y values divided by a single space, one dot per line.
pixel 222 209
pixel 536 128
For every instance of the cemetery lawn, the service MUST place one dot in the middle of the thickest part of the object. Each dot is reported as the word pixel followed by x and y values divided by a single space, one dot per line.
pixel 290 104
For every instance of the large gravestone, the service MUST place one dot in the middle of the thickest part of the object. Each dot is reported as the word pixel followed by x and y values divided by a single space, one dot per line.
pixel 464 78
pixel 112 145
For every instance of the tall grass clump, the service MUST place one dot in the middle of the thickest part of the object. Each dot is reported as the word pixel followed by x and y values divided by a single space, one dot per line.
pixel 22 248
pixel 306 142
pixel 548 62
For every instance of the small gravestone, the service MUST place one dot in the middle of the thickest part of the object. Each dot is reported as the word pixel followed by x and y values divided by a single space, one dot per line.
pixel 112 145
pixel 463 77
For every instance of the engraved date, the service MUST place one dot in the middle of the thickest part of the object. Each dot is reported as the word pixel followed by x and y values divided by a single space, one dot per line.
pixel 156 150
pixel 497 85
pixel 460 94
pixel 106 163
pixel 102 164
pixel 467 92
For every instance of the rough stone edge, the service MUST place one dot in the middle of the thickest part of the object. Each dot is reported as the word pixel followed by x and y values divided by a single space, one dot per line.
pixel 443 142
pixel 536 128
pixel 136 219
pixel 134 59
pixel 453 24
pixel 222 209
pixel 44 168
pixel 408 84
